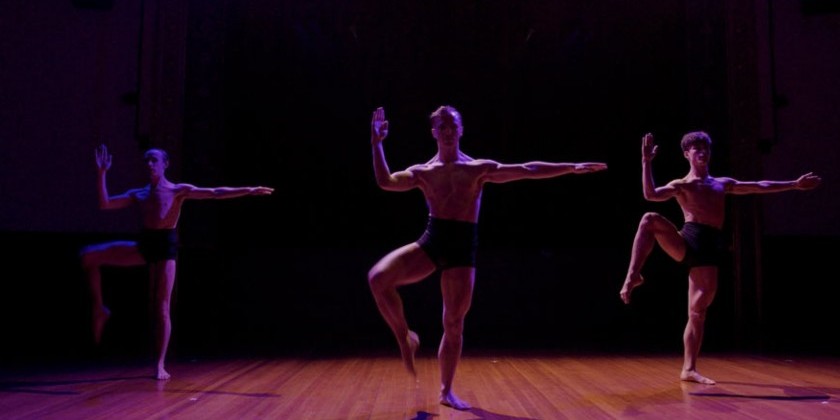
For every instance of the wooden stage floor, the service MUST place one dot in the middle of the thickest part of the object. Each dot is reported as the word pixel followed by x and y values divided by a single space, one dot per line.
pixel 500 386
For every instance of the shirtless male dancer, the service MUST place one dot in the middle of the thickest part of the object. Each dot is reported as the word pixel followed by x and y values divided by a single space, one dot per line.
pixel 700 243
pixel 160 206
pixel 451 183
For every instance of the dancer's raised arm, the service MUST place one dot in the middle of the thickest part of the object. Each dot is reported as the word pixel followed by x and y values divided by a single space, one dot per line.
pixel 649 189
pixel 106 201
pixel 397 181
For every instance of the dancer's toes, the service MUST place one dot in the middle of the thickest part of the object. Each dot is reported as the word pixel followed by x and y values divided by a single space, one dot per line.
pixel 631 282
pixel 450 400
pixel 162 374
pixel 408 349
pixel 693 376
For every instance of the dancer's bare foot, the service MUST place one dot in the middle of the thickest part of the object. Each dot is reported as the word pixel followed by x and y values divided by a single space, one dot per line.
pixel 631 282
pixel 408 348
pixel 100 317
pixel 162 374
pixel 450 400
pixel 693 376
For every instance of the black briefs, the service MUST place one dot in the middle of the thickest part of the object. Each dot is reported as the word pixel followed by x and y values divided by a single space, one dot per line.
pixel 704 245
pixel 158 244
pixel 450 243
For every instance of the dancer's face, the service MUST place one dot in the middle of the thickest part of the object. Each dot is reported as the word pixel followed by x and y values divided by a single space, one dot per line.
pixel 447 129
pixel 156 162
pixel 698 154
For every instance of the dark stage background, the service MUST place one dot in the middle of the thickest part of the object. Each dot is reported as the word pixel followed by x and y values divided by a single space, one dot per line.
pixel 280 93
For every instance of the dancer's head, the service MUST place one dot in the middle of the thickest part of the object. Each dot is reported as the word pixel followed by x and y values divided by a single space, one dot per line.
pixel 447 125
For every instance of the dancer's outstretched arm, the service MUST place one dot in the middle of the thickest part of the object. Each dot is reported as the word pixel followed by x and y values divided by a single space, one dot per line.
pixel 219 193
pixel 505 172
pixel 808 181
